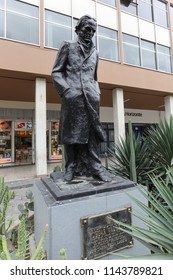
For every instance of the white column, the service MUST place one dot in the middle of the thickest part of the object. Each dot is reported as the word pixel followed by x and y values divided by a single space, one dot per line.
pixel 40 127
pixel 118 114
pixel 168 107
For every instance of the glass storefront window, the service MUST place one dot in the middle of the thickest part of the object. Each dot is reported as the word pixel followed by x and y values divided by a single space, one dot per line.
pixel 23 142
pixel 56 149
pixel 5 141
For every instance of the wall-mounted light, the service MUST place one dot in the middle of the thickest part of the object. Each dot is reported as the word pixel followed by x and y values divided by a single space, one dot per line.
pixel 126 2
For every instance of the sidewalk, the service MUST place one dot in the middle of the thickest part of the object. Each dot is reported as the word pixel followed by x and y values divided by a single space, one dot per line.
pixel 20 179
pixel 22 172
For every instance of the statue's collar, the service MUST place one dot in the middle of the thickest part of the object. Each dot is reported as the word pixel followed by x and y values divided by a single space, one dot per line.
pixel 86 48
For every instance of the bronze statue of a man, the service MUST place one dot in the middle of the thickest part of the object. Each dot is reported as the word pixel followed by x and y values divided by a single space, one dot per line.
pixel 75 78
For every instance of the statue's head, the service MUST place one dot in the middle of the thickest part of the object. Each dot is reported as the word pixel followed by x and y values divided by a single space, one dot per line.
pixel 85 28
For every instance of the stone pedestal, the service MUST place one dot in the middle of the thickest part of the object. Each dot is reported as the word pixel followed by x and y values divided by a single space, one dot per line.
pixel 79 217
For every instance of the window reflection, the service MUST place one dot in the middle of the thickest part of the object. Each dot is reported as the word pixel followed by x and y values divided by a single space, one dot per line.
pixel 108 43
pixel 57 29
pixel 19 21
pixel 131 49
pixel 148 54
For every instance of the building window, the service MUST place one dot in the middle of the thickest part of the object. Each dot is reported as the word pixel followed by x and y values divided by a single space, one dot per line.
pixel 145 10
pixel 164 58
pixel 58 28
pixel 160 13
pixel 151 10
pixel 148 54
pixel 108 43
pixel 2 23
pixel 108 144
pixel 171 16
pixel 131 49
pixel 129 8
pixel 2 4
pixel 108 2
pixel 22 22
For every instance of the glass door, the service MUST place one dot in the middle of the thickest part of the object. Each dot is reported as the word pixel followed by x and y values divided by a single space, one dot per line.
pixel 23 142
pixel 5 141
pixel 56 149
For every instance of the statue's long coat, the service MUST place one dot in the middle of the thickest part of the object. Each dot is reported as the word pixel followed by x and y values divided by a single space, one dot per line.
pixel 75 73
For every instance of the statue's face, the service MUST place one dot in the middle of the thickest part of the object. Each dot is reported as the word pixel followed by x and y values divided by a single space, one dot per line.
pixel 87 31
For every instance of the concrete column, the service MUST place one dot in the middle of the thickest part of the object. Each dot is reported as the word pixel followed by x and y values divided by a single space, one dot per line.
pixel 40 127
pixel 168 107
pixel 118 114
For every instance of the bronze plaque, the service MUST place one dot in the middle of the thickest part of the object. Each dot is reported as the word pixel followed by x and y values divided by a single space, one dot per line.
pixel 101 235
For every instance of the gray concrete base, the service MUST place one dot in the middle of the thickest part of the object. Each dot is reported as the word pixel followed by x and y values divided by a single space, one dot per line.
pixel 63 217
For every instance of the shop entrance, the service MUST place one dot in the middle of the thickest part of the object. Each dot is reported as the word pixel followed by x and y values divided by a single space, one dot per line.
pixel 23 143
pixel 54 148
pixel 5 141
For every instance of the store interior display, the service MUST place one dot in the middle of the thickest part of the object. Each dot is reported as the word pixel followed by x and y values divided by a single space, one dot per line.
pixel 56 149
pixel 5 141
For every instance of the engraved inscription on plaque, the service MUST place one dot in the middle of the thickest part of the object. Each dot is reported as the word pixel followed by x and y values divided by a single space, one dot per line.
pixel 101 235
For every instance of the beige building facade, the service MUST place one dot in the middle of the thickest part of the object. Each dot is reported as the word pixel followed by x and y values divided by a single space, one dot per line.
pixel 135 71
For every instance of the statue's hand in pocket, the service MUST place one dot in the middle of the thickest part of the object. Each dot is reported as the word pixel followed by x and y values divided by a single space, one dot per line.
pixel 68 94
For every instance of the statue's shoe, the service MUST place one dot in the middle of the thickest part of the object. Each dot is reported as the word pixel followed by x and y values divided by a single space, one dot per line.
pixel 69 175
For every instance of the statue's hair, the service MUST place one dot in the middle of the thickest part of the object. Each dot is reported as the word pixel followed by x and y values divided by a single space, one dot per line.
pixel 82 21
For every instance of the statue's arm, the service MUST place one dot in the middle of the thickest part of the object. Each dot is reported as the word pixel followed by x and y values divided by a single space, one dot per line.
pixel 59 69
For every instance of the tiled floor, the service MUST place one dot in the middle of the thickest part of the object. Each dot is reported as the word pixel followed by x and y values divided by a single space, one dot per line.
pixel 15 173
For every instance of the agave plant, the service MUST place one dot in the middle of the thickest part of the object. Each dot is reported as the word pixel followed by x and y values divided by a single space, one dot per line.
pixel 5 197
pixel 160 145
pixel 130 158
pixel 158 236
pixel 23 251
